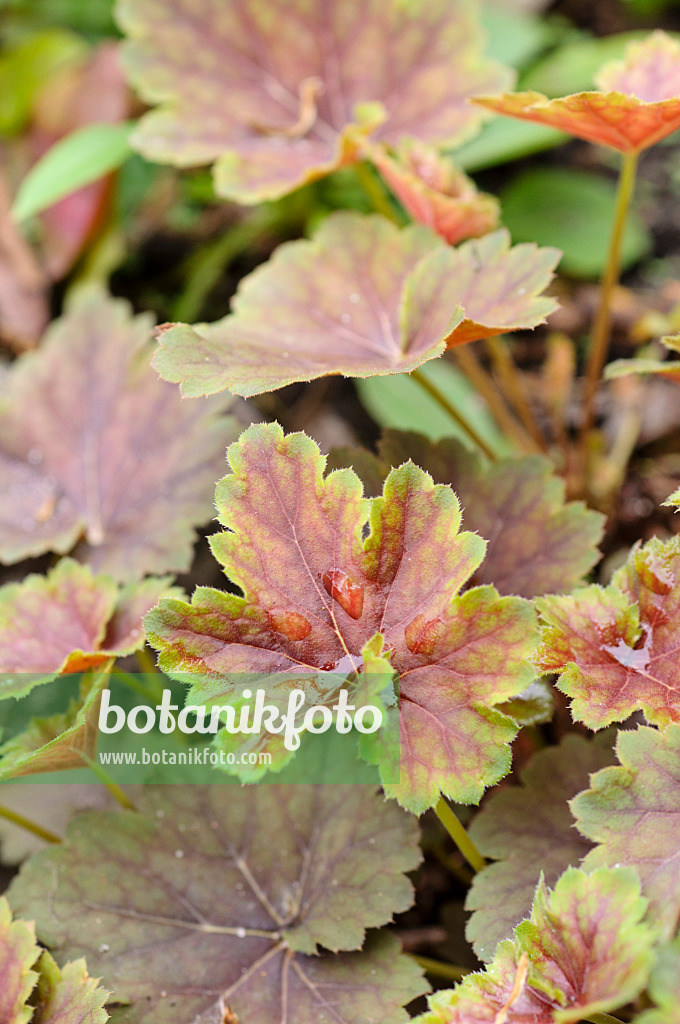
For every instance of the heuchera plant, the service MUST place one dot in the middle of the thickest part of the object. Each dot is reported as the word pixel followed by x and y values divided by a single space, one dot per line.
pixel 447 580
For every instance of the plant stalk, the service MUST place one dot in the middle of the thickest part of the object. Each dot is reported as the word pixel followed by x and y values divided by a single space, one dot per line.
pixel 114 789
pixel 373 188
pixel 513 386
pixel 602 1018
pixel 28 825
pixel 443 401
pixel 484 383
pixel 459 835
pixel 439 969
pixel 599 340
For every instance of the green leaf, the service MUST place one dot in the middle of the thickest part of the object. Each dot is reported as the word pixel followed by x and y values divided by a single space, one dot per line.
pixel 82 157
pixel 633 813
pixel 529 831
pixel 572 67
pixel 56 743
pixel 664 986
pixel 573 209
pixel 227 912
pixel 315 593
pixel 502 141
pixel 361 298
pixel 27 67
pixel 272 110
pixel 616 648
pixel 399 401
pixel 128 462
pixel 584 951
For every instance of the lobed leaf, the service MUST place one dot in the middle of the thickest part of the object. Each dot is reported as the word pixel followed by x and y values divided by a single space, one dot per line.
pixel 664 986
pixel 616 648
pixel 529 831
pixel 130 470
pixel 633 813
pixel 538 544
pixel 18 954
pixel 584 950
pixel 435 192
pixel 69 621
pixel 362 298
pixel 315 594
pixel 212 901
pixel 32 986
pixel 669 368
pixel 281 93
pixel 637 106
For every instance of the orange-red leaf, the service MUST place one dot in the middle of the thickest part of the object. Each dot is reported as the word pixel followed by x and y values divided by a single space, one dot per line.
pixel 637 103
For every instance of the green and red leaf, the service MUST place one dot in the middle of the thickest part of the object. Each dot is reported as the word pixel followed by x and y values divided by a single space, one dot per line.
pixel 32 988
pixel 529 831
pixel 252 89
pixel 130 471
pixel 226 912
pixel 18 954
pixel 584 951
pixel 633 812
pixel 362 298
pixel 69 621
pixel 637 105
pixel 315 593
pixel 617 649
pixel 537 544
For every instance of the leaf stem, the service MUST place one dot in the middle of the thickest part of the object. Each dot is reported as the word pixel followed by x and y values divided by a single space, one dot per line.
pixel 440 969
pixel 601 330
pixel 114 789
pixel 443 401
pixel 373 188
pixel 488 389
pixel 459 835
pixel 513 386
pixel 30 826
pixel 602 1018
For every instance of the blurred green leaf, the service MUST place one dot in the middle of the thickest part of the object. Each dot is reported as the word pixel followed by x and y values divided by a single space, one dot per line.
pixel 514 37
pixel 78 159
pixel 399 401
pixel 25 69
pixel 572 210
pixel 572 67
pixel 503 140
pixel 91 18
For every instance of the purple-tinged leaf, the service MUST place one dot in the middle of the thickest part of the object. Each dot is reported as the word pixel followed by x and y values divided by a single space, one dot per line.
pixel 281 93
pixel 213 899
pixel 68 621
pixel 633 813
pixel 97 452
pixel 362 298
pixel 528 830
